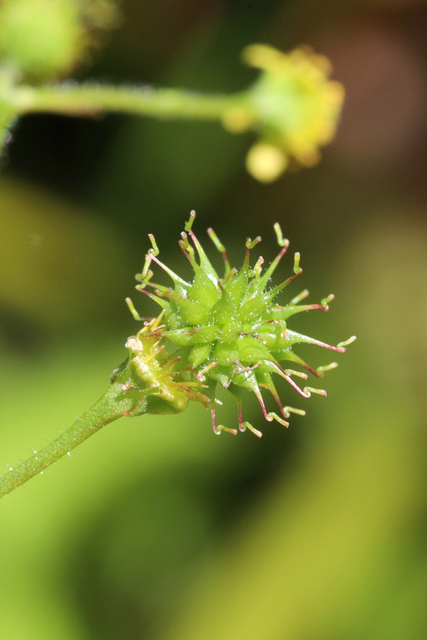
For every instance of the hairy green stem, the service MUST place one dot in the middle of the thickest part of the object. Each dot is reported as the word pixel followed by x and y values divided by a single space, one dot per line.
pixel 107 409
pixel 92 99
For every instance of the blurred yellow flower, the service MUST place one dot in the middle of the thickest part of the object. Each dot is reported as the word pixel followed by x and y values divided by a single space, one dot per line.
pixel 293 107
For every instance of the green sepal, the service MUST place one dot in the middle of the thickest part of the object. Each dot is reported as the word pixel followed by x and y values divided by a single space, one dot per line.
pixel 199 354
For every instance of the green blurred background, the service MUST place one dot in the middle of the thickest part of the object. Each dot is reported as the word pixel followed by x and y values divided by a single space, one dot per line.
pixel 155 528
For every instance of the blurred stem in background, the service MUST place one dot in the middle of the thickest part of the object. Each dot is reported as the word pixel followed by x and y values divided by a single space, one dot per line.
pixel 292 107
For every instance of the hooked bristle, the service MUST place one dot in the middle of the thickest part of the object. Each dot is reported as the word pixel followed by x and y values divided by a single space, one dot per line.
pixel 231 328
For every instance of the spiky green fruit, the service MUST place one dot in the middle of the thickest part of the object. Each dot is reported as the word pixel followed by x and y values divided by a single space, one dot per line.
pixel 231 330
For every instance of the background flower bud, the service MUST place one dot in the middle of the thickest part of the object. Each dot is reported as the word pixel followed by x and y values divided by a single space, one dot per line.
pixel 293 107
pixel 46 39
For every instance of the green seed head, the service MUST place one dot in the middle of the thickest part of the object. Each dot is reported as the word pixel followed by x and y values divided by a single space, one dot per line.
pixel 231 330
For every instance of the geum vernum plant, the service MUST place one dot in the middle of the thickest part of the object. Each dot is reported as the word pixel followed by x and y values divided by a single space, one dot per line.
pixel 229 331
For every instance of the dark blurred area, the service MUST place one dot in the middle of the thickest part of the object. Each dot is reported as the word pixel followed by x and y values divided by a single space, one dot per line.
pixel 157 529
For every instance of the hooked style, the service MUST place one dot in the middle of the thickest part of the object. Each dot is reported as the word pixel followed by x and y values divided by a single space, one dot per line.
pixel 227 330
